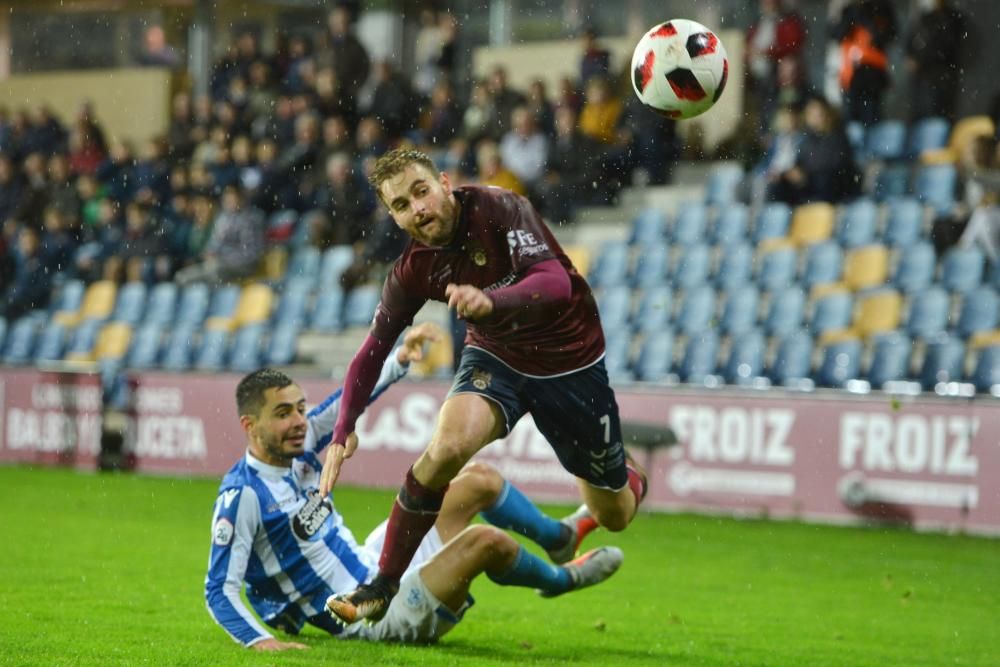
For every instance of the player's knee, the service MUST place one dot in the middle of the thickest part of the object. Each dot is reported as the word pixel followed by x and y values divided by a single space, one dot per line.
pixel 490 544
pixel 448 454
pixel 485 482
pixel 611 519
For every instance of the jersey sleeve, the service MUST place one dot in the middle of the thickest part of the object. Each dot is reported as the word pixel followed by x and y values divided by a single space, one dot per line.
pixel 323 417
pixel 527 236
pixel 234 525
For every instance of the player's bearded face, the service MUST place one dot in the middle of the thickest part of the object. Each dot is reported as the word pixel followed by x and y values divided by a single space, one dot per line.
pixel 422 205
pixel 278 433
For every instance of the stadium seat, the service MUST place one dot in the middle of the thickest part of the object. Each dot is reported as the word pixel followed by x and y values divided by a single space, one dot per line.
pixel 890 359
pixel 304 264
pixel 275 264
pixel 692 266
pixel 20 341
pixel 697 311
pixel 878 312
pixel 112 342
pixel 655 357
pixel 928 313
pixel 735 266
pixel 772 222
pixel 746 358
pixel 905 222
pixel 793 359
pixel 891 182
pixel 962 269
pixel 841 362
pixel 785 310
pixel 832 312
pixel 928 134
pixel 614 305
pixel 51 343
pixel 649 226
pixel 177 350
pixel 823 264
pixel 651 266
pixel 328 313
pixel 655 308
pixel 739 314
pixel 359 308
pixel 145 349
pixel 224 301
pixel 97 303
pixel 777 268
pixel 856 136
pixel 193 305
pixel 611 266
pixel 254 305
pixel 131 303
pixel 245 353
pixel 943 362
pixel 935 186
pixel 335 261
pixel 690 225
pixel 3 330
pixel 724 183
pixel 211 354
pixel 858 221
pixel 162 303
pixel 68 297
pixel 293 303
pixel 730 225
pixel 281 349
pixel 986 375
pixel 700 355
pixel 886 140
pixel 980 311
pixel 866 267
pixel 812 223
pixel 964 131
pixel 915 270
pixel 616 356
pixel 83 339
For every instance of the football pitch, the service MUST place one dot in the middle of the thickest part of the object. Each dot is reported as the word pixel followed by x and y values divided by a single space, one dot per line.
pixel 108 569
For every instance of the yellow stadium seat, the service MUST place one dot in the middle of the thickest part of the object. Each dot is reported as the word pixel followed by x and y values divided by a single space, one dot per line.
pixel 777 243
pixel 812 223
pixel 822 289
pixel 836 336
pixel 254 305
pixel 580 256
pixel 866 267
pixel 984 339
pixel 964 131
pixel 878 313
pixel 112 341
pixel 98 302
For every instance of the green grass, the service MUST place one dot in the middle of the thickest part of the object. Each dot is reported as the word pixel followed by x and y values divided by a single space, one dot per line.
pixel 108 569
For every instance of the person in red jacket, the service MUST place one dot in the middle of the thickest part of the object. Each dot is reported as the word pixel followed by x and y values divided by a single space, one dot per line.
pixel 776 40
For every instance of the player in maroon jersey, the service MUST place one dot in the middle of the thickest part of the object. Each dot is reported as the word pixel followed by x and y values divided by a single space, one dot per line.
pixel 534 344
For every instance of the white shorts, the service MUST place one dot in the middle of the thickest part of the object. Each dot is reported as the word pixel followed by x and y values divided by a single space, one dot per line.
pixel 415 614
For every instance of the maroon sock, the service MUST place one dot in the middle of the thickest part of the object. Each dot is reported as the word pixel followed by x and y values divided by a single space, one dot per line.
pixel 637 483
pixel 414 512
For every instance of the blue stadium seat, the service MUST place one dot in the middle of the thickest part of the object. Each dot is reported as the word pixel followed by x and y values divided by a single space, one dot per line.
pixel 928 314
pixel 793 359
pixel 890 359
pixel 915 270
pixel 731 225
pixel 304 264
pixel 69 297
pixel 905 223
pixel 928 134
pixel 651 267
pixel 772 222
pixel 980 311
pixel 611 266
pixel 700 356
pixel 359 308
pixel 616 356
pixel 841 362
pixel 51 343
pixel 891 181
pixel 857 223
pixel 724 183
pixel 777 269
pixel 224 301
pixel 177 350
pixel 824 264
pixel 856 136
pixel 986 376
pixel 943 361
pixel 935 185
pixel 655 308
pixel 3 330
pixel 194 305
pixel 20 342
pixel 655 357
pixel 82 340
pixel 211 354
pixel 739 314
pixel 746 358
pixel 692 266
pixel 886 140
pixel 962 269
pixel 735 266
pixel 144 349
pixel 832 312
pixel 281 349
pixel 328 313
pixel 697 311
pixel 245 353
pixel 130 304
pixel 614 305
pixel 785 311
pixel 335 261
pixel 162 303
pixel 649 227
pixel 690 225
pixel 293 303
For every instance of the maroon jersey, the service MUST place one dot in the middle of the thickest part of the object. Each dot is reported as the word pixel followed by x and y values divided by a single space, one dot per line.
pixel 499 236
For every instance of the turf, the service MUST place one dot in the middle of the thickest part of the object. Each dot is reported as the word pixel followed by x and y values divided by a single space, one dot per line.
pixel 108 569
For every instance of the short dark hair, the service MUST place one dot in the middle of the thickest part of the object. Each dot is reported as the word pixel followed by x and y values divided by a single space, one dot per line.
pixel 250 391
pixel 394 162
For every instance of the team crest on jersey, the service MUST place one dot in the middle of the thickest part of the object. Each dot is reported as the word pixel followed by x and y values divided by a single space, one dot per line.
pixel 481 379
pixel 478 255
pixel 311 517
pixel 222 533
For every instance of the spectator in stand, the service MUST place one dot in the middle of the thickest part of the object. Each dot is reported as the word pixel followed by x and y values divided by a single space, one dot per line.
pixel 179 142
pixel 260 90
pixel 782 153
pixel 35 194
pixel 392 101
pixel 235 247
pixel 85 156
pixel 150 171
pixel 336 138
pixel 936 50
pixel 524 149
pixel 441 119
pixel 297 161
pixel 492 170
pixel 569 95
pixel 541 108
pixel 504 98
pixel 155 50
pixel 434 50
pixel 865 30
pixel 650 143
pixel 601 112
pixel 777 37
pixel 30 285
pixel 11 188
pixel 248 174
pixel 329 100
pixel 347 203
pixel 101 241
pixel 118 173
pixel 144 253
pixel 346 54
pixel 571 172
pixel 478 119
pixel 976 171
pixel 370 141
pixel 62 194
pixel 58 244
pixel 49 135
pixel 596 60
pixel 191 243
pixel 86 120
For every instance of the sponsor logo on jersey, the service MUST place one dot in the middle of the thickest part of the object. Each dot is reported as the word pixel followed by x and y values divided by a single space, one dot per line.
pixel 222 533
pixel 481 379
pixel 525 243
pixel 478 255
pixel 229 496
pixel 311 517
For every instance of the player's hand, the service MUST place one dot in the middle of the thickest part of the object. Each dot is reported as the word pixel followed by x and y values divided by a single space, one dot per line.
pixel 335 456
pixel 412 348
pixel 469 302
pixel 275 645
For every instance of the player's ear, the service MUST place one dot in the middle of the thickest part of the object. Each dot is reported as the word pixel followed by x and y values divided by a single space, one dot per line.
pixel 445 182
pixel 247 422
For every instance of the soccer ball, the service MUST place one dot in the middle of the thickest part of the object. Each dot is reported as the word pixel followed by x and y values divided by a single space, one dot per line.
pixel 679 68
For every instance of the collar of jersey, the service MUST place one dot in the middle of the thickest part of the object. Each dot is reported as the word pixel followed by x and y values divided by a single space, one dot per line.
pixel 257 464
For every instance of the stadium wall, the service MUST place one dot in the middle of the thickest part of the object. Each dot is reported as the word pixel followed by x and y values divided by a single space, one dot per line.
pixel 833 457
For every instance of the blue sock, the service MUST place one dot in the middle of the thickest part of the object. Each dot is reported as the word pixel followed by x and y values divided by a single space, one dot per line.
pixel 530 571
pixel 513 511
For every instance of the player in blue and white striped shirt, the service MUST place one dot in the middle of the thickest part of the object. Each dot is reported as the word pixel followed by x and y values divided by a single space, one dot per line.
pixel 273 532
